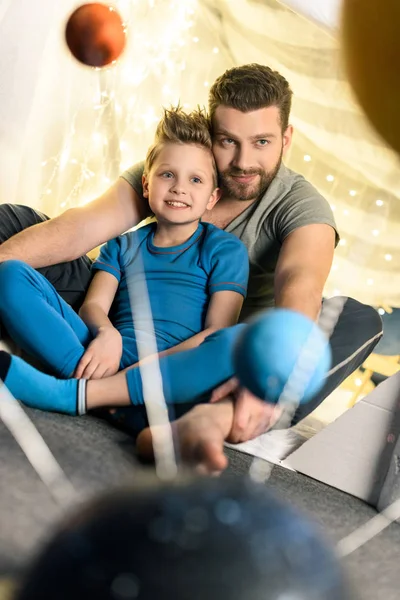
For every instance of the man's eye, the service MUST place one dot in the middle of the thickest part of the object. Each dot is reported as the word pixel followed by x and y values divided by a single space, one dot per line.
pixel 228 141
pixel 263 142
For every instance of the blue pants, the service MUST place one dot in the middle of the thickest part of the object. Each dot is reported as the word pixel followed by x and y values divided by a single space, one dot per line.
pixel 39 320
pixel 42 323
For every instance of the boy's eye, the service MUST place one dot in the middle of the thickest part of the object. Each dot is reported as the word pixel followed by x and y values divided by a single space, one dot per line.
pixel 196 179
pixel 167 174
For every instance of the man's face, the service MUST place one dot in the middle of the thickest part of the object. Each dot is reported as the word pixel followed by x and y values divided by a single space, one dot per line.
pixel 248 149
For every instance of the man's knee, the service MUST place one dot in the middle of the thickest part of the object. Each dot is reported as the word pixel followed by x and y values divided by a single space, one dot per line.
pixel 358 330
pixel 366 317
pixel 16 217
pixel 357 324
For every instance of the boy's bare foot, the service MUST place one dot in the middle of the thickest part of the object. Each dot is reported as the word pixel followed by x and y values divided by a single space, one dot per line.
pixel 200 435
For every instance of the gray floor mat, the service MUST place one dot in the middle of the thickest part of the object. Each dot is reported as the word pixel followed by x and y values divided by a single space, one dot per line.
pixel 374 568
pixel 95 457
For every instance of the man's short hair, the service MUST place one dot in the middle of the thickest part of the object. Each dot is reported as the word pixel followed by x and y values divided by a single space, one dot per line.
pixel 178 127
pixel 251 87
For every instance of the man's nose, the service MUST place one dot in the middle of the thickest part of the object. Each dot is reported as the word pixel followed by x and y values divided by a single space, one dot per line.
pixel 243 159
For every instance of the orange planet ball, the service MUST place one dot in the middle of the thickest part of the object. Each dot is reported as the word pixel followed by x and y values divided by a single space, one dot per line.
pixel 371 46
pixel 95 34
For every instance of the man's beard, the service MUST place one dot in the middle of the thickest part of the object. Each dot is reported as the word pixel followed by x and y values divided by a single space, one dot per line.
pixel 245 191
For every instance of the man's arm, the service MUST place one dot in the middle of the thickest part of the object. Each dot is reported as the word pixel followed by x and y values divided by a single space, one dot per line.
pixel 78 230
pixel 304 263
pixel 303 266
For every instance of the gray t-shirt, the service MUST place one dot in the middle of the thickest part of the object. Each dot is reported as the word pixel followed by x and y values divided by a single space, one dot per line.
pixel 290 202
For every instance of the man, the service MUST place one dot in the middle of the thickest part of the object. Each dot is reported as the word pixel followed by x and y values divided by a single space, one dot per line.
pixel 286 225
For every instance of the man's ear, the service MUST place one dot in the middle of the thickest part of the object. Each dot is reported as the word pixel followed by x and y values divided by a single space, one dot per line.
pixel 215 196
pixel 287 138
pixel 145 185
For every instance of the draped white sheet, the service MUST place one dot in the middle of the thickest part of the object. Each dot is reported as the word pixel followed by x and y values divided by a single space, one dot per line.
pixel 322 12
pixel 66 131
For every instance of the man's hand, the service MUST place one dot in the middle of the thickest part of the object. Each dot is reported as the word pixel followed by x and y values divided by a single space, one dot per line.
pixel 102 357
pixel 252 416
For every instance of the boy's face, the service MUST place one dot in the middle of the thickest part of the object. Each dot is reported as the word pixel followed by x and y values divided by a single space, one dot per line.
pixel 248 149
pixel 180 186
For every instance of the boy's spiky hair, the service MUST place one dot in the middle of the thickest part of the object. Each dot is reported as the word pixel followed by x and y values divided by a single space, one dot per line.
pixel 178 127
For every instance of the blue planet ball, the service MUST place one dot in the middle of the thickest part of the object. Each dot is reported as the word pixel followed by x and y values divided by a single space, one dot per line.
pixel 269 348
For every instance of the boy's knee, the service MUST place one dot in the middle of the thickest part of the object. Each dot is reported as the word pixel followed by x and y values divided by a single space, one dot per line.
pixel 11 272
pixel 9 267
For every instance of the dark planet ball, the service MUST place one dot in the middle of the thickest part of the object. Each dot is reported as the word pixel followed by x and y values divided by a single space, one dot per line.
pixel 371 49
pixel 95 34
pixel 208 539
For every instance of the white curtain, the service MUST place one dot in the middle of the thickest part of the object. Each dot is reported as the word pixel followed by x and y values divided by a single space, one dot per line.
pixel 66 131
pixel 323 12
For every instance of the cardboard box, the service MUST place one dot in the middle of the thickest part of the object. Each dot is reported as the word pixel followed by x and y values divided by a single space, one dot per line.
pixel 359 452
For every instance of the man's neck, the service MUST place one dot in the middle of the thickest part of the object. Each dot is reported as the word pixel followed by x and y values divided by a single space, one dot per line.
pixel 226 210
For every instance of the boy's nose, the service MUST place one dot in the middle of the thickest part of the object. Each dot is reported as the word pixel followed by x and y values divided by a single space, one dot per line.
pixel 178 188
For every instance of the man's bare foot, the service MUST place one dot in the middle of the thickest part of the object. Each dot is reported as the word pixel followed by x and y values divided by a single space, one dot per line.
pixel 200 436
pixel 252 416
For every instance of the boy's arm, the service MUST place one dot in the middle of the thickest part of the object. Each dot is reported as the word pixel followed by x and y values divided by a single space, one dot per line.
pixel 99 297
pixel 223 311
pixel 103 355
pixel 78 230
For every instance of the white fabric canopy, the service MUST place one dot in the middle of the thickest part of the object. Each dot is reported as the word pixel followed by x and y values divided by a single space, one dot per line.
pixel 66 131
pixel 323 12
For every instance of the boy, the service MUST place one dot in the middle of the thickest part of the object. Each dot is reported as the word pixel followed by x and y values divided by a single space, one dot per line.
pixel 196 276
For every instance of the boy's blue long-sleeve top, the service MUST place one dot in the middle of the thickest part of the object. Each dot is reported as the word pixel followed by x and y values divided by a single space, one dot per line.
pixel 180 280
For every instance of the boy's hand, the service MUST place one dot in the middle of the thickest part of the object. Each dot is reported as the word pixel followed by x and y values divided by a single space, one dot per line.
pixel 102 357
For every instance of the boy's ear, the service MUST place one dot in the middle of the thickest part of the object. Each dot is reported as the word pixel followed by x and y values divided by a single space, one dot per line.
pixel 215 196
pixel 145 185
